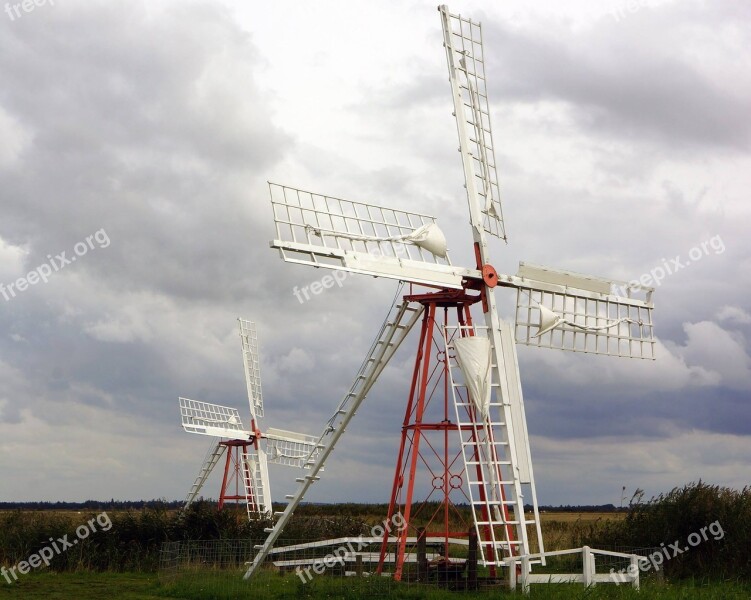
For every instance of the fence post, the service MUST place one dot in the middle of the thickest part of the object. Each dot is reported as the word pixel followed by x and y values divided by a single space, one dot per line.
pixel 511 573
pixel 358 565
pixel 525 574
pixel 635 571
pixel 587 566
pixel 422 559
pixel 472 560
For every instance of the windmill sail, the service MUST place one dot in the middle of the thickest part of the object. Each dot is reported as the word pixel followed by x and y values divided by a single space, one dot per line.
pixel 290 448
pixel 462 39
pixel 567 311
pixel 212 419
pixel 323 231
pixel 252 368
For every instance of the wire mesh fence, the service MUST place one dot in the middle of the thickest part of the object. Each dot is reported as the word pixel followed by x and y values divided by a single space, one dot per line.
pixel 347 567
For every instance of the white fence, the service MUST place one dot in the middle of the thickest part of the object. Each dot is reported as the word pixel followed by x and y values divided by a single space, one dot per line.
pixel 519 569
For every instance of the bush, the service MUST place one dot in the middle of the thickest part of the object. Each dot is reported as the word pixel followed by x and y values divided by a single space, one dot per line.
pixel 723 514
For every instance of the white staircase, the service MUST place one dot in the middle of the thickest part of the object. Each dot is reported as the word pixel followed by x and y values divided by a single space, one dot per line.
pixel 212 457
pixel 494 473
pixel 252 474
pixel 398 324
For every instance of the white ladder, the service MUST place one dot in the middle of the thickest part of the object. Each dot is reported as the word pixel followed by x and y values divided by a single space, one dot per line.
pixel 215 452
pixel 254 492
pixel 398 324
pixel 492 469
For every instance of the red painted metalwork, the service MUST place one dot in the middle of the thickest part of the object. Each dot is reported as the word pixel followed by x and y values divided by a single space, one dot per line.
pixel 426 427
pixel 234 473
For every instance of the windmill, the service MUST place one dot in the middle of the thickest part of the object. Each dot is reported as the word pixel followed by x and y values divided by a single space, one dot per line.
pixel 246 460
pixel 464 427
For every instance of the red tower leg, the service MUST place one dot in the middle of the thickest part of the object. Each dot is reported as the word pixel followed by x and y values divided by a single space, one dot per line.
pixel 427 414
pixel 234 474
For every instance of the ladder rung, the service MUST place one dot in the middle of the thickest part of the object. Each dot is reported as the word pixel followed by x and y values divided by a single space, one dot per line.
pixel 311 477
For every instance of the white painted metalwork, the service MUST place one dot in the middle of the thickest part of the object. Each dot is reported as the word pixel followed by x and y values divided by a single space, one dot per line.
pixel 211 419
pixel 555 309
pixel 323 231
pixel 463 42
pixel 496 455
pixel 567 311
pixel 462 39
pixel 249 340
pixel 398 324
pixel 284 447
pixel 256 482
pixel 213 456
pixel 289 448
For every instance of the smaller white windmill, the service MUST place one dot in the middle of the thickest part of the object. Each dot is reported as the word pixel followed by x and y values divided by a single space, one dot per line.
pixel 246 462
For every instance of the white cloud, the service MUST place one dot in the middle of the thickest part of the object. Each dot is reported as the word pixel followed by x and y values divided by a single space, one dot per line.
pixel 734 314
pixel 164 133
pixel 719 351
pixel 604 465
pixel 11 261
pixel 296 361
pixel 670 371
pixel 14 139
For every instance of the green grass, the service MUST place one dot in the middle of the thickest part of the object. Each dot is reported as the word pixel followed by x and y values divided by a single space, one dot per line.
pixel 83 586
pixel 226 586
pixel 218 586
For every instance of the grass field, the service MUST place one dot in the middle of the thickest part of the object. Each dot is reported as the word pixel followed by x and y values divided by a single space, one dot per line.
pixel 121 561
pixel 96 586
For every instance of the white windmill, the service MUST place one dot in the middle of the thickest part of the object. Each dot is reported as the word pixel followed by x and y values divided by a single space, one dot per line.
pixel 481 419
pixel 246 461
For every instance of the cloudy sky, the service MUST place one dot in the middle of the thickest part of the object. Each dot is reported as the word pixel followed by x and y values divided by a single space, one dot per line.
pixel 623 139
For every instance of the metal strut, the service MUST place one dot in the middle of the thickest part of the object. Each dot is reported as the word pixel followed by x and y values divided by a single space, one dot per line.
pixel 215 452
pixel 395 328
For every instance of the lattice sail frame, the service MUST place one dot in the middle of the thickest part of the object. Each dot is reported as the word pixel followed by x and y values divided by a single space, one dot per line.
pixel 465 55
pixel 594 320
pixel 252 367
pixel 323 231
pixel 289 448
pixel 212 419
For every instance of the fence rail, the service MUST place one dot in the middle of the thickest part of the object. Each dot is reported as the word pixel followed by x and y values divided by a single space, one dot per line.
pixel 347 562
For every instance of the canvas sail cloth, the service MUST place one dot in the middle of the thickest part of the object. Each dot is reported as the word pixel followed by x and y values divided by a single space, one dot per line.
pixel 474 359
pixel 549 320
pixel 428 236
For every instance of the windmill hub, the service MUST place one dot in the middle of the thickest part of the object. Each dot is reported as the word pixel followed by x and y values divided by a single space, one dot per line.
pixel 489 276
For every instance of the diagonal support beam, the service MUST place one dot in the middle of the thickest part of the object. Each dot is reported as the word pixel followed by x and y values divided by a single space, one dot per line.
pixel 392 334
